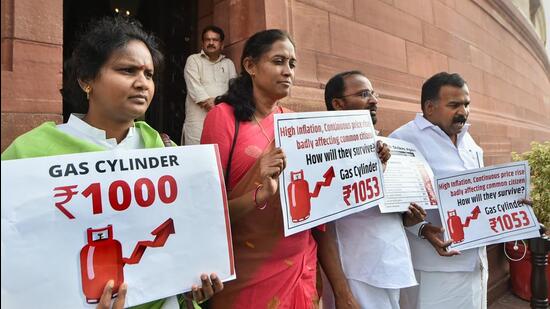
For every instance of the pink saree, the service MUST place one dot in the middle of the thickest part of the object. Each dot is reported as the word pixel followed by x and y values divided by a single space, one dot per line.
pixel 273 271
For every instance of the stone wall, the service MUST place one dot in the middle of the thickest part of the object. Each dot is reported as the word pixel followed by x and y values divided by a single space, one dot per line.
pixel 32 39
pixel 398 44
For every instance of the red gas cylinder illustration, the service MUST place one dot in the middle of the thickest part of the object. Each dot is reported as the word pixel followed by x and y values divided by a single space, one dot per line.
pixel 455 225
pixel 299 196
pixel 100 261
pixel 101 258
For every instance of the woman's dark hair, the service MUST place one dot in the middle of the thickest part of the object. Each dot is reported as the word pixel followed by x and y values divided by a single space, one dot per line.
pixel 240 94
pixel 335 87
pixel 431 87
pixel 98 42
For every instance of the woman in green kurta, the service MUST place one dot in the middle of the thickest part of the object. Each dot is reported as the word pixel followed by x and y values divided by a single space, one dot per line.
pixel 111 74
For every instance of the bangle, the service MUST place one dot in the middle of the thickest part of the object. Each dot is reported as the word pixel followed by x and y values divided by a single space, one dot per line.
pixel 422 229
pixel 260 207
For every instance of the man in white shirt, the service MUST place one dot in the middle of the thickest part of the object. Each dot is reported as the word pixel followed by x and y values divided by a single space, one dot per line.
pixel 207 76
pixel 373 249
pixel 447 279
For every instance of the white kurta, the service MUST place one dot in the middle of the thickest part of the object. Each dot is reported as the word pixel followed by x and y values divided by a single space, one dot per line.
pixel 375 257
pixel 444 157
pixel 204 79
pixel 373 249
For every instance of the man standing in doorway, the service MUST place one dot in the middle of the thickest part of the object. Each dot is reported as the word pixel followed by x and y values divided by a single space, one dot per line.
pixel 207 76
pixel 440 133
pixel 373 247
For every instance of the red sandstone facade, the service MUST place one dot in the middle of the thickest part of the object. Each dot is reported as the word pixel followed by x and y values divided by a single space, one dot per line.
pixel 32 39
pixel 396 43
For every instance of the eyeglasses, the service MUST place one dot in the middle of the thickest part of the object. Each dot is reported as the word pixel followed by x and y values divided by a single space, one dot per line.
pixel 365 94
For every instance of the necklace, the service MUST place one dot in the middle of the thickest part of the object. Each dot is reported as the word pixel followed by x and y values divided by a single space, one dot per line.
pixel 280 110
pixel 262 128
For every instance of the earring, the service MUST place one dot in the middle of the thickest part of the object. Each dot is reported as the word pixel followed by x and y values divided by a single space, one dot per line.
pixel 87 89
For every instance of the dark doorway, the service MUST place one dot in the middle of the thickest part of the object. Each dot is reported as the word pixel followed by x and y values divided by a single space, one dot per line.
pixel 173 22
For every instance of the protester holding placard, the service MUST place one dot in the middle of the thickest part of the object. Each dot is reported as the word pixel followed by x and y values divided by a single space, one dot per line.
pixel 373 248
pixel 112 74
pixel 272 271
pixel 440 133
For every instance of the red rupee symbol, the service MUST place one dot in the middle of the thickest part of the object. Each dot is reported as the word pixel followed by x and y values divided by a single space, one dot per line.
pixel 101 258
pixel 67 192
pixel 455 225
pixel 299 196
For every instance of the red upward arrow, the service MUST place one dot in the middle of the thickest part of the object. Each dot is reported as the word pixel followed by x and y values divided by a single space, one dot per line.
pixel 329 174
pixel 474 215
pixel 162 232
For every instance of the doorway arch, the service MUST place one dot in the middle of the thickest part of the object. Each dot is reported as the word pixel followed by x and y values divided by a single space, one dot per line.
pixel 174 22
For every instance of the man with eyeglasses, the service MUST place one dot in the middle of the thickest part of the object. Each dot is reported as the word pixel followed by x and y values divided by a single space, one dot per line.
pixel 440 133
pixel 373 249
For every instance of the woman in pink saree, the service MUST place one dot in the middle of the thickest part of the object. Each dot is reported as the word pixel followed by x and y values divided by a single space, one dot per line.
pixel 272 271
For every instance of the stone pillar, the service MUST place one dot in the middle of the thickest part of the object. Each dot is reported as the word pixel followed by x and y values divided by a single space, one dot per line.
pixel 239 19
pixel 32 56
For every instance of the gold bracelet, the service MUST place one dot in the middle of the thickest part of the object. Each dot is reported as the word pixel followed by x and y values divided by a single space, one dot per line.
pixel 260 207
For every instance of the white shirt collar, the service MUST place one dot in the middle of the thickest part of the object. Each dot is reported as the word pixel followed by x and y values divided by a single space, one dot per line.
pixel 422 123
pixel 75 121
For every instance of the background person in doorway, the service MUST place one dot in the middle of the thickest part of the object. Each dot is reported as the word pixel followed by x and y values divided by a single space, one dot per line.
pixel 207 76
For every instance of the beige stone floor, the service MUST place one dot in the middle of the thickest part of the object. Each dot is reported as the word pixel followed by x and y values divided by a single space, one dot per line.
pixel 510 301
pixel 507 301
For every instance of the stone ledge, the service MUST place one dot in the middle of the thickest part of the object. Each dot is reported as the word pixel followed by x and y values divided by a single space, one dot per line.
pixel 524 28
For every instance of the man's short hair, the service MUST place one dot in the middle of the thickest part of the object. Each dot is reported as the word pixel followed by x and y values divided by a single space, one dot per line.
pixel 335 87
pixel 214 29
pixel 431 87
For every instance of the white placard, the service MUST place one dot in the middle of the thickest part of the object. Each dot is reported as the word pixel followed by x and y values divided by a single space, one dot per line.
pixel 479 206
pixel 408 178
pixel 154 218
pixel 332 168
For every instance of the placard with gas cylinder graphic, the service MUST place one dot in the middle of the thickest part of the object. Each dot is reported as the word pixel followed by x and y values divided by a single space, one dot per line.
pixel 333 169
pixel 154 218
pixel 480 206
pixel 408 178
